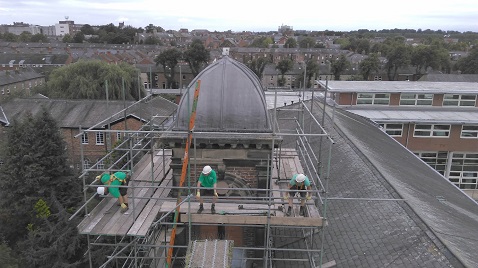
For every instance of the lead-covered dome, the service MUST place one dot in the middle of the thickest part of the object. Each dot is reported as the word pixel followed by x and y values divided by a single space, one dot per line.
pixel 231 99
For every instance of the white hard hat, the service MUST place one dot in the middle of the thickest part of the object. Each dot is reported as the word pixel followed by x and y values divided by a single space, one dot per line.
pixel 206 170
pixel 100 190
pixel 300 178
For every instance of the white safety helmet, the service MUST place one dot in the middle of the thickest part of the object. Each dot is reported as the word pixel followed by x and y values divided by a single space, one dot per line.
pixel 206 170
pixel 300 178
pixel 100 190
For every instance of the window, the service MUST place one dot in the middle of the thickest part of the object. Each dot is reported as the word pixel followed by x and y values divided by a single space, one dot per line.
pixel 84 138
pixel 464 170
pixel 377 78
pixel 436 160
pixel 416 99
pixel 86 164
pixel 100 164
pixel 469 131
pixel 431 131
pixel 459 100
pixel 373 98
pixel 100 138
pixel 394 130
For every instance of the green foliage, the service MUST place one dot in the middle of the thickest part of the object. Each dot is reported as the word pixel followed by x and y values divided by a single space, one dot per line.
pixel 152 40
pixel 307 42
pixel 469 64
pixel 79 37
pixel 312 69
pixel 150 29
pixel 398 55
pixel 369 65
pixel 87 30
pixel 37 38
pixel 197 56
pixel 258 65
pixel 7 259
pixel 263 42
pixel 290 43
pixel 168 59
pixel 36 170
pixel 9 37
pixel 86 80
pixel 42 209
pixel 67 39
pixel 25 37
pixel 339 66
pixel 283 67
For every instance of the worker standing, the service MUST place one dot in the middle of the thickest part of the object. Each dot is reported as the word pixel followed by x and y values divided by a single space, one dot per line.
pixel 207 186
pixel 113 181
pixel 298 183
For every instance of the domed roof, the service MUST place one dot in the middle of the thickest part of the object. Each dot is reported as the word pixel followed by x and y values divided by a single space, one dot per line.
pixel 231 99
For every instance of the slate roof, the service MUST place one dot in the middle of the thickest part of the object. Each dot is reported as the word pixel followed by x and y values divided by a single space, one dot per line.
pixel 23 75
pixel 40 58
pixel 436 225
pixel 450 78
pixel 85 113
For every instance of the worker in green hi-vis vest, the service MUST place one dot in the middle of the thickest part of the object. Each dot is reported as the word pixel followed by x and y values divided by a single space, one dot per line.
pixel 113 181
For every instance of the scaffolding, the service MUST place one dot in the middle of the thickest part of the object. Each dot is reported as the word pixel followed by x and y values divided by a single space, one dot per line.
pixel 140 237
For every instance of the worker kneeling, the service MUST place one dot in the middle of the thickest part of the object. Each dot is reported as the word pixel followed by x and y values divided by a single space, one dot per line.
pixel 113 181
pixel 298 183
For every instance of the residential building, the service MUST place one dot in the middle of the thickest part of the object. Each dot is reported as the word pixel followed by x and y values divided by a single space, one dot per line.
pixel 19 80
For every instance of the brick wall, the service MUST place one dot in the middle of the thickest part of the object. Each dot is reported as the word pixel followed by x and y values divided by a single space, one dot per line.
pixel 249 174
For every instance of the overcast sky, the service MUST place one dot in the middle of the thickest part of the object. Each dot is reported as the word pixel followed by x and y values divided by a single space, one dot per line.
pixel 251 15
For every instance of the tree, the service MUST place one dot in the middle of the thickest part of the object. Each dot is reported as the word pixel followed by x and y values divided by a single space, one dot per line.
pixel 284 66
pixel 257 66
pixel 79 37
pixel 35 168
pixel 87 80
pixel 197 56
pixel 87 29
pixel 469 64
pixel 152 40
pixel 339 66
pixel 9 37
pixel 67 38
pixel 25 37
pixel 398 56
pixel 169 58
pixel 150 28
pixel 37 38
pixel 290 43
pixel 312 69
pixel 369 65
pixel 434 56
pixel 263 42
pixel 6 256
pixel 307 42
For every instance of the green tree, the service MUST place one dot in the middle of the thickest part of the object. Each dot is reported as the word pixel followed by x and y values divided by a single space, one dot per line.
pixel 468 64
pixel 257 66
pixel 25 37
pixel 312 69
pixel 369 65
pixel 37 38
pixel 6 256
pixel 197 56
pixel 9 37
pixel 150 28
pixel 87 29
pixel 290 43
pixel 35 168
pixel 283 67
pixel 168 59
pixel 87 80
pixel 398 56
pixel 67 38
pixel 152 40
pixel 339 66
pixel 263 42
pixel 79 37
pixel 434 56
pixel 307 42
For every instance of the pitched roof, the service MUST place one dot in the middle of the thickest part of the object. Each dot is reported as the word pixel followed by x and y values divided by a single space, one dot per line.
pixel 369 225
pixel 450 77
pixel 85 113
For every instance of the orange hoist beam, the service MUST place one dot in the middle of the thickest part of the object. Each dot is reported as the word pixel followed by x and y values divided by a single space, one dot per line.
pixel 184 170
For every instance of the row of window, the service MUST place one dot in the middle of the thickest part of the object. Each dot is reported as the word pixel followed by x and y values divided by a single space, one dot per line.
pixel 431 130
pixel 416 99
pixel 460 168
pixel 99 138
